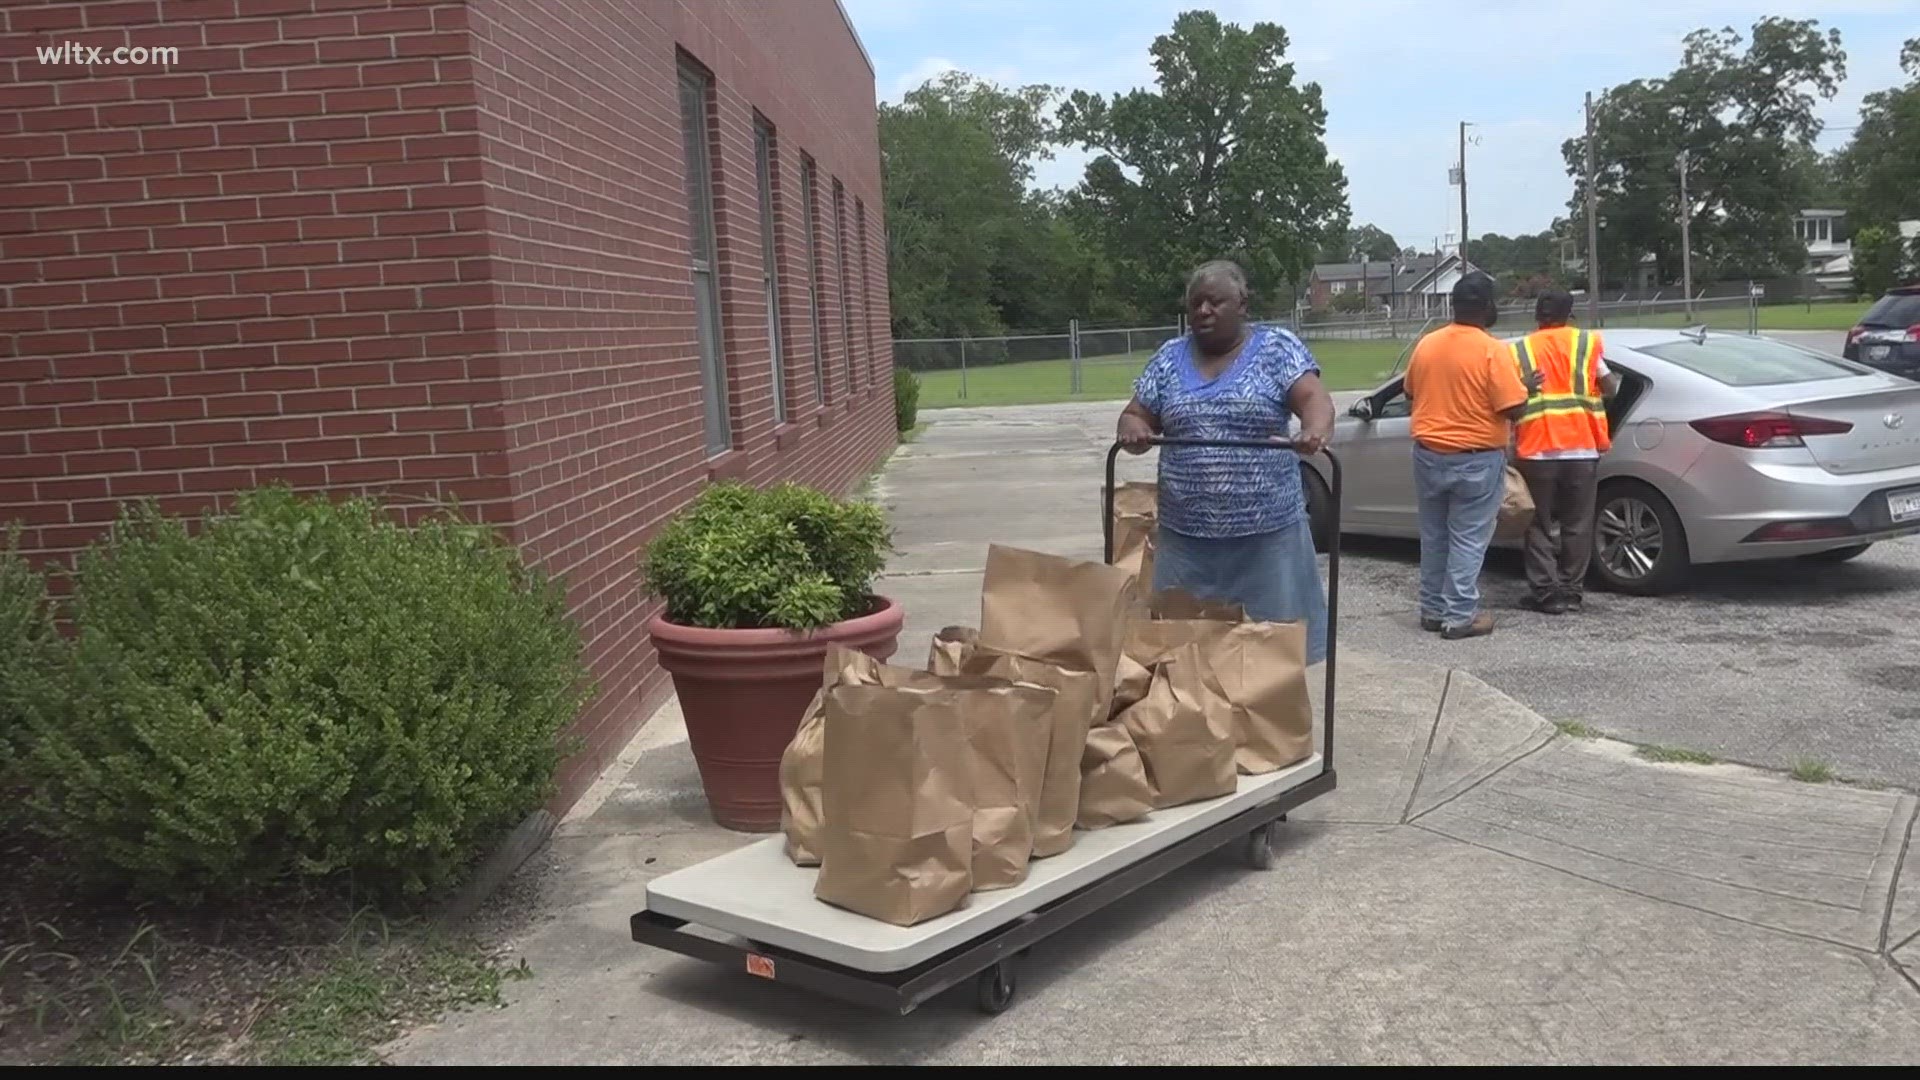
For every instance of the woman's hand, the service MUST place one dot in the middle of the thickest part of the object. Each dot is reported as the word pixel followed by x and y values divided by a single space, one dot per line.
pixel 1135 434
pixel 1312 439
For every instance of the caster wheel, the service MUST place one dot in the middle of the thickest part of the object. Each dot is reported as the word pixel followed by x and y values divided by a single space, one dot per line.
pixel 994 990
pixel 1259 849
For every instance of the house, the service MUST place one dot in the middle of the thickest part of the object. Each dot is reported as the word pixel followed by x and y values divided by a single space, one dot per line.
pixel 565 263
pixel 1420 285
pixel 1829 257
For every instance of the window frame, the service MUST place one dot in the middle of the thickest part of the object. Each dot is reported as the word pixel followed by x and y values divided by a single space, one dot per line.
pixel 866 287
pixel 810 221
pixel 846 284
pixel 766 166
pixel 695 90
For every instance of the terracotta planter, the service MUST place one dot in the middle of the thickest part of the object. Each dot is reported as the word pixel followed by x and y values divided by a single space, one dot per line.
pixel 743 693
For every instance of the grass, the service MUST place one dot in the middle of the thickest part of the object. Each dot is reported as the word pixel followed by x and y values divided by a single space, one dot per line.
pixel 1809 771
pixel 1574 729
pixel 1348 365
pixel 1823 315
pixel 1675 755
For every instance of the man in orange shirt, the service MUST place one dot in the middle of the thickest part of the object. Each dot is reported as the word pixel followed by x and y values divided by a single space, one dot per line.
pixel 1466 392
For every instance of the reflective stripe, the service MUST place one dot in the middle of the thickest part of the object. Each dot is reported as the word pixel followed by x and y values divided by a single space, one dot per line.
pixel 1525 357
pixel 1561 405
pixel 1582 364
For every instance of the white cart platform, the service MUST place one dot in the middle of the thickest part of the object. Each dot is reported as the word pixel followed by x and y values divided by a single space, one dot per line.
pixel 754 911
pixel 757 893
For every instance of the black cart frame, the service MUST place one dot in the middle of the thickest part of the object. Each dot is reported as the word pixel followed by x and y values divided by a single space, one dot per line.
pixel 989 959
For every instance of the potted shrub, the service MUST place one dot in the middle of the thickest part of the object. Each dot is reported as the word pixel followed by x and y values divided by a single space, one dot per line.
pixel 757 585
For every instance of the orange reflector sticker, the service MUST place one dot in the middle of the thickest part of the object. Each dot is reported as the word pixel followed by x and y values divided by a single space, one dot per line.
pixel 760 965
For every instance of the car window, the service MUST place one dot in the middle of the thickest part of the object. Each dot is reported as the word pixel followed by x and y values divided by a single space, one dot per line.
pixel 1744 361
pixel 1893 310
pixel 1398 405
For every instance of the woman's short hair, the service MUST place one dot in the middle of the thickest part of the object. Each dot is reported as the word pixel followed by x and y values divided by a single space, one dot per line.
pixel 1222 271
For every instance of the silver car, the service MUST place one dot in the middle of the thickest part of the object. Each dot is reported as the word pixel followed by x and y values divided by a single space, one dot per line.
pixel 1725 448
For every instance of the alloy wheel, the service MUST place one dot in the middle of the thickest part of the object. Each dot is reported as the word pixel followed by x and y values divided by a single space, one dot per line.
pixel 1630 536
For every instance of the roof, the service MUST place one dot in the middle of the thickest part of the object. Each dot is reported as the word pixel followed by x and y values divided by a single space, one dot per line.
pixel 1823 213
pixel 855 34
pixel 1375 268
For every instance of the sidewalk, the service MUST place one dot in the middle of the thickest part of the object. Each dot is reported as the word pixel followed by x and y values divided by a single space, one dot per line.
pixel 1481 890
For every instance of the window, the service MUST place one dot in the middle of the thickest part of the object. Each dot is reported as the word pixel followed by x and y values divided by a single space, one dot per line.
pixel 866 286
pixel 763 150
pixel 846 290
pixel 694 94
pixel 1744 361
pixel 809 201
pixel 1894 311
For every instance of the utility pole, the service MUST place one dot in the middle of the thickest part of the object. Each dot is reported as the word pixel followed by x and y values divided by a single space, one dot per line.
pixel 1593 229
pixel 1686 238
pixel 1464 234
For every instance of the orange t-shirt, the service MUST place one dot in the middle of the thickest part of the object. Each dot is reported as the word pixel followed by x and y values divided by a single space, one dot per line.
pixel 1461 380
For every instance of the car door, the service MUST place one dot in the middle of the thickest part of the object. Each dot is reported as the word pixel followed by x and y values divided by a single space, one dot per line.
pixel 1378 454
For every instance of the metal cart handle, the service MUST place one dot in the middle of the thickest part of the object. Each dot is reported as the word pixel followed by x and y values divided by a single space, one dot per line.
pixel 1335 487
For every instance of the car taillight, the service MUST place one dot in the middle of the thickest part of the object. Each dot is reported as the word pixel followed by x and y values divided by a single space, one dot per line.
pixel 1767 430
pixel 1853 335
pixel 1913 332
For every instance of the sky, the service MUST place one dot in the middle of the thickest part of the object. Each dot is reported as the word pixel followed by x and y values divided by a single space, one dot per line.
pixel 1397 77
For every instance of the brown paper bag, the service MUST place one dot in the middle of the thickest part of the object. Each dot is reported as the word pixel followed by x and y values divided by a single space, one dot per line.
pixel 1259 668
pixel 1516 507
pixel 951 647
pixel 1006 734
pixel 1132 684
pixel 898 787
pixel 1184 736
pixel 1061 734
pixel 1136 510
pixel 1067 613
pixel 801 811
pixel 1113 780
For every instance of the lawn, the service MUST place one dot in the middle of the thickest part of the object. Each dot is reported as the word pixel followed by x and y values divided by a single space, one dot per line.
pixel 1819 316
pixel 1348 365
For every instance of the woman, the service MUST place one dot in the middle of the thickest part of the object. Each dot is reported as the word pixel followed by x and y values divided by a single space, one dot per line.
pixel 1233 521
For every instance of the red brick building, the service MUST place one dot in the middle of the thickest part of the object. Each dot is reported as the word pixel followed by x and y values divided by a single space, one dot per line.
pixel 566 262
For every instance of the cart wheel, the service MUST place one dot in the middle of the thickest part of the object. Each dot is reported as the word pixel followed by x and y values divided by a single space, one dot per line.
pixel 1259 849
pixel 994 990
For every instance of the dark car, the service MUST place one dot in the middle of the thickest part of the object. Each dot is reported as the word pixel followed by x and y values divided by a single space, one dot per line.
pixel 1888 336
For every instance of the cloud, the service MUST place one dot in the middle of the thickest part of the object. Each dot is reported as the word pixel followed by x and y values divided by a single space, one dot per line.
pixel 917 76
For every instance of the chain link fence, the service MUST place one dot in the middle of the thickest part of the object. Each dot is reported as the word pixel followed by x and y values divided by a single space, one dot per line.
pixel 1095 364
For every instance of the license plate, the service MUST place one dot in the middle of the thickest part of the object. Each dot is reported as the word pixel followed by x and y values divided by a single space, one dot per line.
pixel 1879 352
pixel 1904 505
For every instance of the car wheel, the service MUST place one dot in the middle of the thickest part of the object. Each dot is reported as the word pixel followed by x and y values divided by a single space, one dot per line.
pixel 1319 508
pixel 1639 545
pixel 1838 555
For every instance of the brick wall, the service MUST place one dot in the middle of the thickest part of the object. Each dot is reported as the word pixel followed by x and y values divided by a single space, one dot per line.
pixel 430 250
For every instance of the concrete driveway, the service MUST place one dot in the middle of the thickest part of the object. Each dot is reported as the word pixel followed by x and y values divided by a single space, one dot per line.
pixel 1483 888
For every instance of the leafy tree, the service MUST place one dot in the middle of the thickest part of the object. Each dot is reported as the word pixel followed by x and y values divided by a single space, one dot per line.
pixel 956 155
pixel 1877 259
pixel 1745 115
pixel 1225 157
pixel 1361 242
pixel 1879 168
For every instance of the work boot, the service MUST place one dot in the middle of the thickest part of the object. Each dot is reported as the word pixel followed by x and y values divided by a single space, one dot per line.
pixel 1573 602
pixel 1553 604
pixel 1481 626
pixel 1430 624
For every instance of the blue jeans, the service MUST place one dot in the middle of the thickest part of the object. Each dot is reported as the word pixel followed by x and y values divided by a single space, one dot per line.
pixel 1274 576
pixel 1459 497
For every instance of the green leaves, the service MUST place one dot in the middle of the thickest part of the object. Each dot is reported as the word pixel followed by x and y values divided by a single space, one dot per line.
pixel 906 399
pixel 788 557
pixel 302 691
pixel 1880 166
pixel 1227 157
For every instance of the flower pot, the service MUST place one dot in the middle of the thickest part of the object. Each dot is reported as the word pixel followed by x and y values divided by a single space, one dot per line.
pixel 743 693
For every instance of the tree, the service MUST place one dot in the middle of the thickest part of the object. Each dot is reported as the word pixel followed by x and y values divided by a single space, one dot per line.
pixel 1225 157
pixel 956 155
pixel 1877 259
pixel 1369 242
pixel 1745 117
pixel 1879 169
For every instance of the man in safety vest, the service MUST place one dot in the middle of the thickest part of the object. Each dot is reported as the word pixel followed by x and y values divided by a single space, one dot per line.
pixel 1559 439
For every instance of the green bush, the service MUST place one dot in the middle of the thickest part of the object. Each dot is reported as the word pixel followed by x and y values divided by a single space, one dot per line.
pixel 302 692
pixel 906 399
pixel 29 647
pixel 788 557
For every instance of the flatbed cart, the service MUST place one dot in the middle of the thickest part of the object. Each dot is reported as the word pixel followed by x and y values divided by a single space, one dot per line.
pixel 754 911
